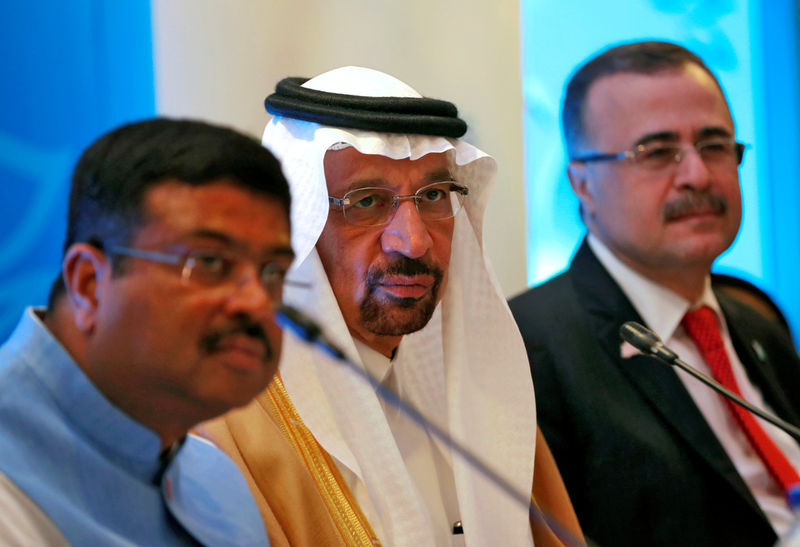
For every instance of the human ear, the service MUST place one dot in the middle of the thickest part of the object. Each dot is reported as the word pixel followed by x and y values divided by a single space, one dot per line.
pixel 82 269
pixel 578 175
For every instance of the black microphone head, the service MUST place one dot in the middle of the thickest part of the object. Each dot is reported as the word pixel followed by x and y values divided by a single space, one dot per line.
pixel 639 336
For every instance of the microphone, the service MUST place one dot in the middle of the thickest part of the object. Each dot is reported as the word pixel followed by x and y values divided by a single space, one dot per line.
pixel 648 342
pixel 305 328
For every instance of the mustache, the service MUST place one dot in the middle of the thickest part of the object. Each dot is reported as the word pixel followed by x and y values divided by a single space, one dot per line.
pixel 694 201
pixel 211 341
pixel 403 266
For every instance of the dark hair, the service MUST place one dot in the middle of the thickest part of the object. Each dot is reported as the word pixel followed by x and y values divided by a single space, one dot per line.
pixel 647 57
pixel 114 173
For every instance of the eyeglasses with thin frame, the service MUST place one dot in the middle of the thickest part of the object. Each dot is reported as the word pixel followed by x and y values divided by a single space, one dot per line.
pixel 719 152
pixel 215 267
pixel 375 206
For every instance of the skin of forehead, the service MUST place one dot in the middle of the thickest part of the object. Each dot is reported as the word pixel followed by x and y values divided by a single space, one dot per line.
pixel 373 170
pixel 626 92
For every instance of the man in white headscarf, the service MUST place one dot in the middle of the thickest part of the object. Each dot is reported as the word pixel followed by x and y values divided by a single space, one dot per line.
pixel 386 225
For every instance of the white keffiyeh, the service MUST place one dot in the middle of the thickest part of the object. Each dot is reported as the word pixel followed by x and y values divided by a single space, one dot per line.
pixel 468 368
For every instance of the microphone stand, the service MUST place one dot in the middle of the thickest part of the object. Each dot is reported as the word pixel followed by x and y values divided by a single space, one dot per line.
pixel 648 342
pixel 306 329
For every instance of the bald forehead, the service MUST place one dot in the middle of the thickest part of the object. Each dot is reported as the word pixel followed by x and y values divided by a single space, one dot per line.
pixel 673 100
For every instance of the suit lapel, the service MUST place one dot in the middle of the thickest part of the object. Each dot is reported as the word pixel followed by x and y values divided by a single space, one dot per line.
pixel 756 360
pixel 608 308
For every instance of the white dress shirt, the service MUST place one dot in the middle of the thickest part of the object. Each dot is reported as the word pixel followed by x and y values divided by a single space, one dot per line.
pixel 662 311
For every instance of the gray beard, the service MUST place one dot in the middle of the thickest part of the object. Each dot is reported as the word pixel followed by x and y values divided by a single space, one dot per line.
pixel 397 316
pixel 391 316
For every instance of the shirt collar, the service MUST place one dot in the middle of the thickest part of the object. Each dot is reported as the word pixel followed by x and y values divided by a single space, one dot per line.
pixel 375 363
pixel 660 308
pixel 117 435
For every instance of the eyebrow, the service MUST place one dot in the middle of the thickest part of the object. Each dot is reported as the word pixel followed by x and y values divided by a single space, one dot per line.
pixel 714 131
pixel 207 233
pixel 703 133
pixel 438 175
pixel 222 237
pixel 658 136
pixel 281 250
pixel 365 183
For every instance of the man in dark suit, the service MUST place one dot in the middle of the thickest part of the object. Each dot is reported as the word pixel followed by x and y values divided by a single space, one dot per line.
pixel 649 455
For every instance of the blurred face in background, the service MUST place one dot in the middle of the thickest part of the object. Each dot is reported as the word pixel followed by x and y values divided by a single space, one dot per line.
pixel 682 214
pixel 199 343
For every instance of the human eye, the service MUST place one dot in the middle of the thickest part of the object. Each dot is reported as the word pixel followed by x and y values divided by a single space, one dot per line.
pixel 716 147
pixel 273 277
pixel 657 152
pixel 209 265
pixel 655 155
pixel 369 198
pixel 272 272
pixel 434 193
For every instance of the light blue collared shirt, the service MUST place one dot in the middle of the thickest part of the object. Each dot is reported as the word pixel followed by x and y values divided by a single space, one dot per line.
pixel 96 473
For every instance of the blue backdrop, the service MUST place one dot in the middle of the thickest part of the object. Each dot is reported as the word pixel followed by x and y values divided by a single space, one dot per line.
pixel 75 69
pixel 72 70
pixel 752 45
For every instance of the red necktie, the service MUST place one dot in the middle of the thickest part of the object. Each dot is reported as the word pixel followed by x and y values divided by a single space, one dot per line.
pixel 701 326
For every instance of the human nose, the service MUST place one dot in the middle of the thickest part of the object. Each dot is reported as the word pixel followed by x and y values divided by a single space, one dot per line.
pixel 691 169
pixel 406 233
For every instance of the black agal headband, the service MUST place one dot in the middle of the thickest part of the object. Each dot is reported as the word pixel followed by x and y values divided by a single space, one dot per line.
pixel 420 116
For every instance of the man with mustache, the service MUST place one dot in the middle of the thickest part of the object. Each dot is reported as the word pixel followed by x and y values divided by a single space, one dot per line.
pixel 386 223
pixel 651 456
pixel 162 317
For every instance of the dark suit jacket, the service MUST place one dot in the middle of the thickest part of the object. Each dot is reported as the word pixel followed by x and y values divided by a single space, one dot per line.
pixel 640 462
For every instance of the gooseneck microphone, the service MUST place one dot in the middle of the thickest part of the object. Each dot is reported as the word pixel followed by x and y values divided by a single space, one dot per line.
pixel 648 342
pixel 305 328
